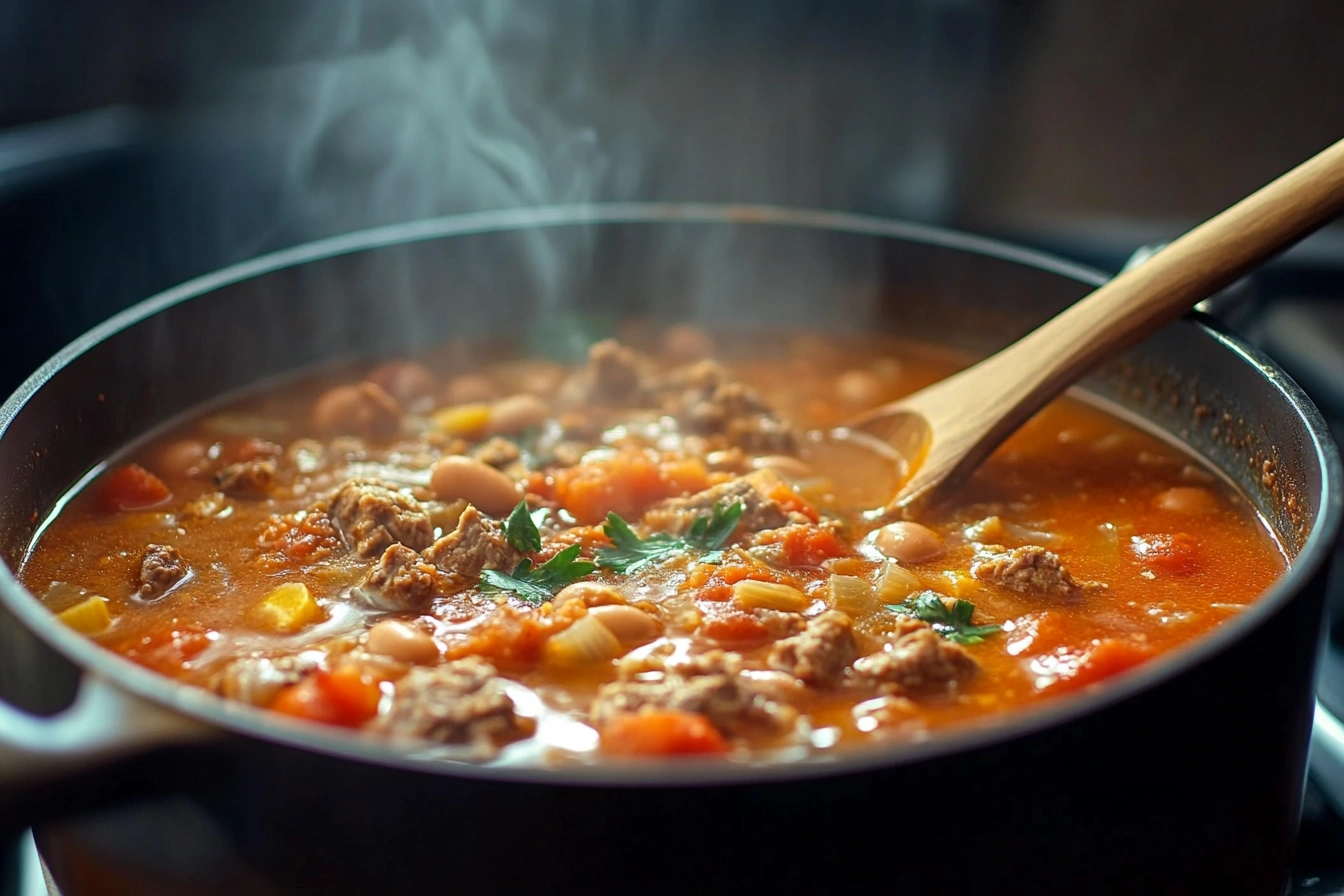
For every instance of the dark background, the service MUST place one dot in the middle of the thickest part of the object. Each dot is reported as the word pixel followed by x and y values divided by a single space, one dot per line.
pixel 145 142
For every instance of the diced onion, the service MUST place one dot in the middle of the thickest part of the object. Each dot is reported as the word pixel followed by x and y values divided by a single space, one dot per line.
pixel 88 617
pixel 585 642
pixel 896 583
pixel 770 596
pixel 852 595
pixel 288 609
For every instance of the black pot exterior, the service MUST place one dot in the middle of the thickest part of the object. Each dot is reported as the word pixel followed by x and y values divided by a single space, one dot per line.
pixel 1192 784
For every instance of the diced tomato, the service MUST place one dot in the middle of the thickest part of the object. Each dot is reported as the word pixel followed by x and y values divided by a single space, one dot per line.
pixel 792 502
pixel 1101 661
pixel 805 545
pixel 299 538
pixel 169 649
pixel 131 487
pixel 512 639
pixel 626 483
pixel 662 732
pixel 347 697
pixel 734 628
pixel 1176 554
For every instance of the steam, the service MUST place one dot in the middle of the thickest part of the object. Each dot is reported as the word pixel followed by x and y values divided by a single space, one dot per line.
pixel 388 112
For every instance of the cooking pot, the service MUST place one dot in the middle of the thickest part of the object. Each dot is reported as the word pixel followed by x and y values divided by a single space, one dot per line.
pixel 1183 776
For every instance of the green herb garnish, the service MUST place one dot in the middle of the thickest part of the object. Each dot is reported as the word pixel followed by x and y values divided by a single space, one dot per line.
pixel 953 623
pixel 520 529
pixel 629 552
pixel 536 586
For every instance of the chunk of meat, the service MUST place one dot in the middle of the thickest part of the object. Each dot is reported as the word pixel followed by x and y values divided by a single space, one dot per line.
pixel 462 702
pixel 401 580
pixel 921 660
pixel 248 478
pixel 706 401
pixel 710 684
pixel 371 516
pixel 161 570
pixel 476 543
pixel 821 654
pixel 1030 569
pixel 257 679
pixel 676 514
pixel 612 374
pixel 497 452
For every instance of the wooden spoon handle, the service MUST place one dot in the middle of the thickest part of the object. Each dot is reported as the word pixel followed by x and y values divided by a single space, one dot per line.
pixel 1137 302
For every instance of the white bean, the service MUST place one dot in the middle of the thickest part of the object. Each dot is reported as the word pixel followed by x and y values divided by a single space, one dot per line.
pixel 402 641
pixel 517 414
pixel 1188 499
pixel 593 594
pixel 907 542
pixel 490 490
pixel 629 625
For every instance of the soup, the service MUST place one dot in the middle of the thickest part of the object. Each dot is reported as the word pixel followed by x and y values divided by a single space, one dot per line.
pixel 502 557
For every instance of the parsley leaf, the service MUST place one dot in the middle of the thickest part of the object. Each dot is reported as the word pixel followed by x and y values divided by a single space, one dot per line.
pixel 629 552
pixel 520 529
pixel 953 623
pixel 540 584
pixel 709 533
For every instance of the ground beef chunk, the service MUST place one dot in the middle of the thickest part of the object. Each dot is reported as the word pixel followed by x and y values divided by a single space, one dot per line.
pixel 1030 569
pixel 921 660
pixel 401 580
pixel 612 375
pixel 711 684
pixel 677 514
pixel 821 654
pixel 476 543
pixel 462 702
pixel 161 570
pixel 257 679
pixel 497 452
pixel 707 402
pixel 371 516
pixel 247 479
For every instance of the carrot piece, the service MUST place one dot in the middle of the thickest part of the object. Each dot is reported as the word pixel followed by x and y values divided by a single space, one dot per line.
pixel 661 732
pixel 345 697
pixel 626 483
pixel 132 487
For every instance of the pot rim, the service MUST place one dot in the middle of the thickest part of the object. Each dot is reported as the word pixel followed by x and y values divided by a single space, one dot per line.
pixel 263 725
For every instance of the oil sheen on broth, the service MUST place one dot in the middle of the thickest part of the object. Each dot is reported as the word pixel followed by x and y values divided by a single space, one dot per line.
pixel 624 557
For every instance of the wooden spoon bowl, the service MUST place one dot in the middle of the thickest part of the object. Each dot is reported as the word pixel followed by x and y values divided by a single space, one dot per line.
pixel 915 449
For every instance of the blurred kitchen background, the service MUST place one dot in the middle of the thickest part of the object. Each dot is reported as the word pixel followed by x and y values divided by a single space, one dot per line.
pixel 145 141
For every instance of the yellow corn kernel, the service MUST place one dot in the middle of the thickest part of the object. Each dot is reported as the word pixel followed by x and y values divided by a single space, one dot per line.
pixel 852 595
pixel 770 596
pixel 464 420
pixel 88 617
pixel 288 609
pixel 895 583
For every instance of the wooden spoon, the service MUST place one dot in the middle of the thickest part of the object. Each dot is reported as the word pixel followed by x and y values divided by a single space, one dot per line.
pixel 925 443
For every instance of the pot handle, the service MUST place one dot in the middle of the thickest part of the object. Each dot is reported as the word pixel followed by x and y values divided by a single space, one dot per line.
pixel 102 725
